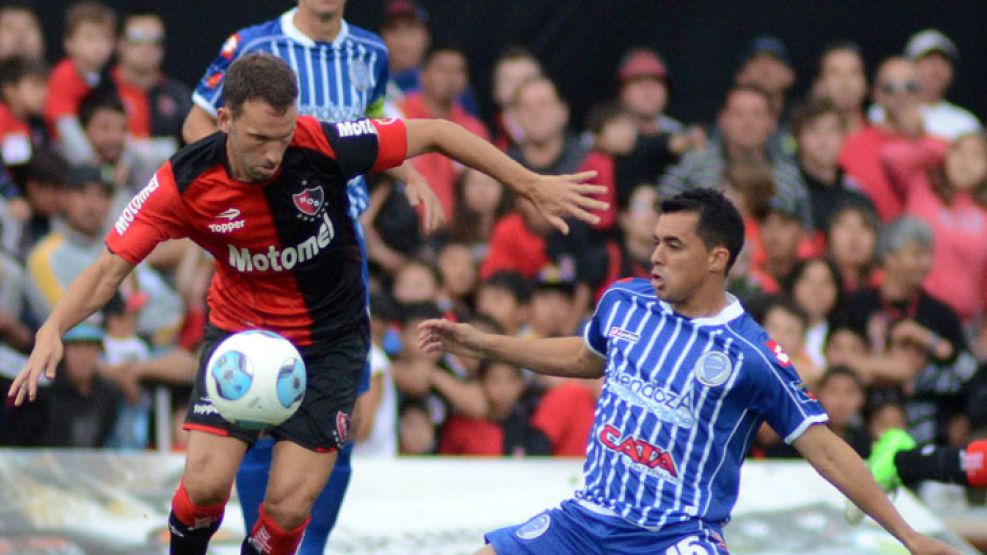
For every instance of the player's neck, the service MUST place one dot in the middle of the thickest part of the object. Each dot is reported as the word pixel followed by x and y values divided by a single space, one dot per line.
pixel 705 303
pixel 324 29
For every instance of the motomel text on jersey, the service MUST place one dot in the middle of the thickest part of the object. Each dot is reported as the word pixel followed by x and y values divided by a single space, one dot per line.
pixel 130 212
pixel 281 260
pixel 354 128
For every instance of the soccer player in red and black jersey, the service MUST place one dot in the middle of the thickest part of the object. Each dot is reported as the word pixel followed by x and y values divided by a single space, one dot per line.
pixel 266 196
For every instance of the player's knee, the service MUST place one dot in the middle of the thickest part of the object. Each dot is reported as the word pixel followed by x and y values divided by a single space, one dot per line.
pixel 204 484
pixel 289 511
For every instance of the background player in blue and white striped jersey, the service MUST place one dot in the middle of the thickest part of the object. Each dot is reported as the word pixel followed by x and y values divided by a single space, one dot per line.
pixel 689 378
pixel 342 73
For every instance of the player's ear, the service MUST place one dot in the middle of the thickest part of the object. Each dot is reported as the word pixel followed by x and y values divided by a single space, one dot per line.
pixel 224 119
pixel 719 256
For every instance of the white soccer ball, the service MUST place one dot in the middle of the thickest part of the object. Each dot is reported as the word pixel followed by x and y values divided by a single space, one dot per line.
pixel 256 379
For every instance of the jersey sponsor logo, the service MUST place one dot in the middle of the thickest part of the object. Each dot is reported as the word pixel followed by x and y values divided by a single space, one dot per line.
pixel 309 201
pixel 667 405
pixel 130 212
pixel 355 128
pixel 618 333
pixel 780 355
pixel 230 46
pixel 214 80
pixel 713 368
pixel 360 75
pixel 228 214
pixel 227 227
pixel 534 527
pixel 283 260
pixel 644 456
pixel 331 113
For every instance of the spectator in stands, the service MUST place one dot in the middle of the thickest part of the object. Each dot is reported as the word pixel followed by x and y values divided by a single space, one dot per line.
pixel 628 254
pixel 504 298
pixel 104 122
pixel 82 406
pixel 842 395
pixel 20 32
pixel 76 241
pixel 819 129
pixel 947 189
pixel 613 135
pixel 123 351
pixel 851 240
pixel 405 32
pixel 43 179
pixel 518 242
pixel 458 271
pixel 513 67
pixel 768 66
pixel 548 147
pixel 843 81
pixel 746 121
pixel 896 88
pixel 90 33
pixel 551 305
pixel 444 77
pixel 814 284
pixel 156 104
pixel 23 90
pixel 845 345
pixel 787 324
pixel 15 335
pixel 481 202
pixel 780 233
pixel 507 430
pixel 417 282
pixel 643 92
pixel 915 339
pixel 565 416
pixel 934 55
pixel 376 434
pixel 415 429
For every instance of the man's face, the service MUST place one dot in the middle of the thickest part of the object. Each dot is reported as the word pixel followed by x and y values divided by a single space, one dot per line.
pixel 638 221
pixel 780 237
pixel 503 387
pixel 107 132
pixel 445 77
pixel 746 120
pixel 91 45
pixel 86 208
pixel 767 72
pixel 141 46
pixel 407 40
pixel 44 198
pixel 844 347
pixel 258 137
pixel 540 112
pixel 20 35
pixel 785 328
pixel 842 398
pixel 81 360
pixel 935 74
pixel 323 9
pixel 549 311
pixel 910 264
pixel 897 85
pixel 821 140
pixel 28 94
pixel 681 262
pixel 645 97
pixel 842 80
pixel 457 269
pixel 852 240
pixel 501 305
pixel 508 75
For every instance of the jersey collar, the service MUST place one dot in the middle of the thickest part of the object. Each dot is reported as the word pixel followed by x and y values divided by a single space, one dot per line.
pixel 295 34
pixel 732 310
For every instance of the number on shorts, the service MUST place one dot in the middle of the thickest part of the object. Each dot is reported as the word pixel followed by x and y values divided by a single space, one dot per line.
pixel 690 546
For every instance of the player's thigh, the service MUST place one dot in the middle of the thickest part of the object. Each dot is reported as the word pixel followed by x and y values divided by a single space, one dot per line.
pixel 698 544
pixel 298 475
pixel 558 531
pixel 211 462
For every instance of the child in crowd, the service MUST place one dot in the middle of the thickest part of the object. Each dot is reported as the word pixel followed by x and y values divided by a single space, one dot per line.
pixel 122 349
pixel 842 395
pixel 504 297
pixel 377 432
pixel 787 323
pixel 816 287
pixel 23 90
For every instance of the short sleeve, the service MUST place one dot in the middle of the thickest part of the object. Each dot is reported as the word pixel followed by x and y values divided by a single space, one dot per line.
pixel 780 396
pixel 208 93
pixel 152 216
pixel 595 332
pixel 367 145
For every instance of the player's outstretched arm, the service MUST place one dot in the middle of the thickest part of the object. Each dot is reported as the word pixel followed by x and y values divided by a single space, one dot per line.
pixel 840 465
pixel 89 291
pixel 559 356
pixel 555 196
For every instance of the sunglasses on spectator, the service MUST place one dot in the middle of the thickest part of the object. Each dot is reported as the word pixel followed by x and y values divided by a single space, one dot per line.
pixel 898 87
pixel 136 37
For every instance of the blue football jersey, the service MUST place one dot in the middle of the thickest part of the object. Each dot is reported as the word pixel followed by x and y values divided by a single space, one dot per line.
pixel 341 80
pixel 681 402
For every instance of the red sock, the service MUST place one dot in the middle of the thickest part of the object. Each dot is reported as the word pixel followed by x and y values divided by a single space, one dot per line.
pixel 195 516
pixel 267 538
pixel 975 463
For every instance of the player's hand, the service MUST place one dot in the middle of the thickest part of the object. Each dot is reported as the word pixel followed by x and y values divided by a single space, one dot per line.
pixel 420 194
pixel 924 545
pixel 44 358
pixel 443 335
pixel 559 196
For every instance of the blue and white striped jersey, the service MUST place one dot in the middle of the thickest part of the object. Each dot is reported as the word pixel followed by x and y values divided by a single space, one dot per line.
pixel 681 402
pixel 338 81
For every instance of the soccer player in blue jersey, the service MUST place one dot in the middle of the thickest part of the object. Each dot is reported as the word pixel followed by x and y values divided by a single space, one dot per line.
pixel 689 378
pixel 342 73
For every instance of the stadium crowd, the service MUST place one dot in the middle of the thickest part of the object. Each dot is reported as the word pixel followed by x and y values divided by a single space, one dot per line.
pixel 865 208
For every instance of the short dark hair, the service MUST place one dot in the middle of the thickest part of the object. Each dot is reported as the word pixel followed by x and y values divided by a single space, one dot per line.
pixel 99 100
pixel 811 109
pixel 785 304
pixel 436 50
pixel 838 371
pixel 746 88
pixel 797 271
pixel 719 222
pixel 512 282
pixel 97 13
pixel 16 68
pixel 515 53
pixel 259 76
pixel 840 46
pixel 46 166
pixel 420 311
pixel 602 114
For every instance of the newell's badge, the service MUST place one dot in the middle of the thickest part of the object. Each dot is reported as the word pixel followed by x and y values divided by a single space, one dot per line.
pixel 713 368
pixel 360 75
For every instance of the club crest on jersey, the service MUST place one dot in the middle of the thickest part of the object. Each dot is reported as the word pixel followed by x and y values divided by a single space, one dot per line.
pixel 780 355
pixel 628 336
pixel 534 527
pixel 360 75
pixel 310 201
pixel 713 368
pixel 644 456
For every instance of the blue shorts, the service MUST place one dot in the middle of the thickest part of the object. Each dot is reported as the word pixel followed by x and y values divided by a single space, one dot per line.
pixel 574 529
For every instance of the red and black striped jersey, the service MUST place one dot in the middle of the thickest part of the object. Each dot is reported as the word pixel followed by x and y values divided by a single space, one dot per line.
pixel 287 255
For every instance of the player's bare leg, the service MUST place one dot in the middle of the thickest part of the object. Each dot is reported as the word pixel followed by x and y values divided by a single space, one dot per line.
pixel 298 476
pixel 197 507
pixel 487 550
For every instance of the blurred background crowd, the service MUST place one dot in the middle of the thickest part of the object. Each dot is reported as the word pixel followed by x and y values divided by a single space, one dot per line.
pixel 865 202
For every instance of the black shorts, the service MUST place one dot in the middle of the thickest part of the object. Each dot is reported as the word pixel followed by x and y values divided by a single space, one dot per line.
pixel 333 370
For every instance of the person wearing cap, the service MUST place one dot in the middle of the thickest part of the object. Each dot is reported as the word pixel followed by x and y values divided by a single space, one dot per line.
pixel 768 65
pixel 643 79
pixel 81 406
pixel 935 55
pixel 76 241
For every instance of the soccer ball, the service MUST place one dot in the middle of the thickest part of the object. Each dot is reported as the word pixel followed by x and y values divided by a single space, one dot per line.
pixel 256 379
